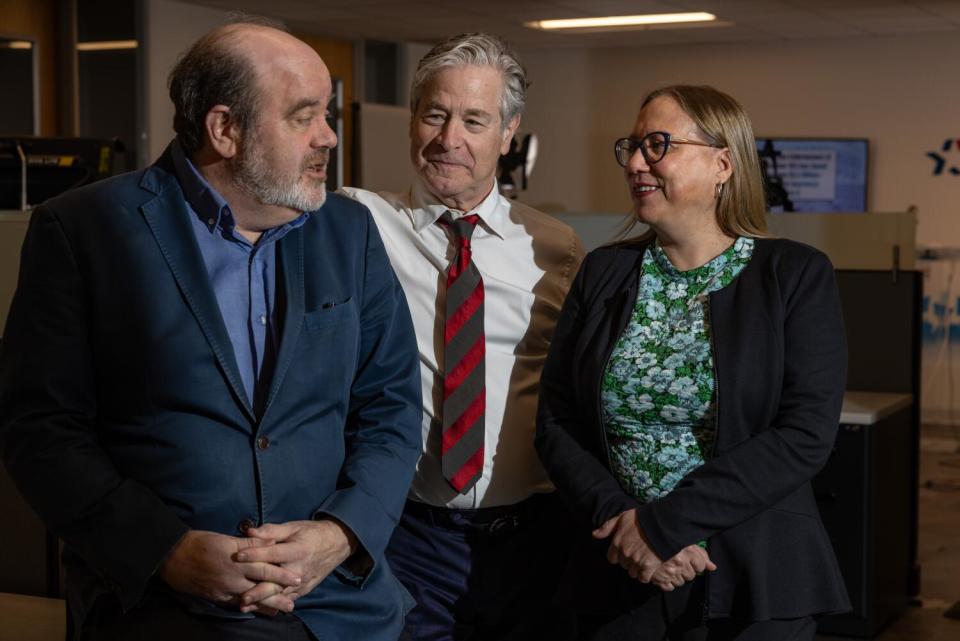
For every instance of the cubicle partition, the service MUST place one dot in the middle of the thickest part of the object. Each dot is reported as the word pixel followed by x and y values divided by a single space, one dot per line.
pixel 34 568
pixel 867 492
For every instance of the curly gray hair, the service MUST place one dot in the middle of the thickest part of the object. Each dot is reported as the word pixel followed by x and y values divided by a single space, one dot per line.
pixel 476 49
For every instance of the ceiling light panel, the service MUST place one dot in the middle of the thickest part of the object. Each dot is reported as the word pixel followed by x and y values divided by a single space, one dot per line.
pixel 622 22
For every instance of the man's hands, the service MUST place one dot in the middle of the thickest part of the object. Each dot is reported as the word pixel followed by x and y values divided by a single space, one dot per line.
pixel 629 549
pixel 205 564
pixel 307 549
pixel 263 573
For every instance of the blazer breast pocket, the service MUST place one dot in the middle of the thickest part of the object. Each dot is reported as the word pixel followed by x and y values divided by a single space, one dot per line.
pixel 331 316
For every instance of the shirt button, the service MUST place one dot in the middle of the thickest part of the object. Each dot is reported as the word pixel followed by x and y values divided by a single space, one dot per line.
pixel 210 221
pixel 263 443
pixel 245 525
pixel 262 319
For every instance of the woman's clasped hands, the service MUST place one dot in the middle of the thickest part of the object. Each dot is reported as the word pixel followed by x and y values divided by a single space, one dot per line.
pixel 630 550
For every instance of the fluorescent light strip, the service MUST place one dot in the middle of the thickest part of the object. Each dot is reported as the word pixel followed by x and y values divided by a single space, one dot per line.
pixel 622 21
pixel 16 44
pixel 106 45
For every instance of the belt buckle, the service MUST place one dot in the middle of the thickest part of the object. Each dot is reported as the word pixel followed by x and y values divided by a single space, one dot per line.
pixel 503 524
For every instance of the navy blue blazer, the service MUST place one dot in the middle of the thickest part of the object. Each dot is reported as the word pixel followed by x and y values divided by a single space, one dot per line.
pixel 124 422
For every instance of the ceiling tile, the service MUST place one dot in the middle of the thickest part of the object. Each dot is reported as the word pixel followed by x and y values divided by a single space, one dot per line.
pixel 890 19
pixel 946 10
pixel 616 7
pixel 892 12
pixel 894 27
pixel 413 11
pixel 736 33
pixel 794 23
pixel 523 12
pixel 731 8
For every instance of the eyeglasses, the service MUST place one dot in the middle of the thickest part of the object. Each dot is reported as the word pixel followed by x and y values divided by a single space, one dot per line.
pixel 653 146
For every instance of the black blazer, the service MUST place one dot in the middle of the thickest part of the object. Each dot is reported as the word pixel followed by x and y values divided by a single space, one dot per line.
pixel 780 360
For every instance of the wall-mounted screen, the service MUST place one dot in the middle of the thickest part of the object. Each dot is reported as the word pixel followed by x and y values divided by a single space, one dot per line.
pixel 815 175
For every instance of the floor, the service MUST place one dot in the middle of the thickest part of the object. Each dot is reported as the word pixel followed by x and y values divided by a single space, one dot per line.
pixel 939 546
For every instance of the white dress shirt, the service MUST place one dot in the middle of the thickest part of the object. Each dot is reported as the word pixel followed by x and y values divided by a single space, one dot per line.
pixel 527 260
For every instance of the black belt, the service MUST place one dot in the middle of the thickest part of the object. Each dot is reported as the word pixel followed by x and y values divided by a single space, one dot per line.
pixel 493 520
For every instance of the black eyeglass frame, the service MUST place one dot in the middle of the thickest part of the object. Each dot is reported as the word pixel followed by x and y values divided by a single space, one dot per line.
pixel 668 139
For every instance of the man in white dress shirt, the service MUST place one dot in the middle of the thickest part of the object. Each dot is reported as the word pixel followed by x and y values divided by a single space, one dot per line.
pixel 482 539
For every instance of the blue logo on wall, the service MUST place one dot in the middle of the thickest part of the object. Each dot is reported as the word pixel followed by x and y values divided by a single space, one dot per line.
pixel 941 160
pixel 940 322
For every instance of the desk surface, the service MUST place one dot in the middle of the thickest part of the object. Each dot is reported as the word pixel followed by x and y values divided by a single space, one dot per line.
pixel 866 408
pixel 31 618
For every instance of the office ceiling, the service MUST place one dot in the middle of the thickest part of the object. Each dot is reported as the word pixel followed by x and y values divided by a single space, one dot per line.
pixel 743 20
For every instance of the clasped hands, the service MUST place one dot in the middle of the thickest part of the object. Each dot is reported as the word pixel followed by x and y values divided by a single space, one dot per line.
pixel 629 549
pixel 264 572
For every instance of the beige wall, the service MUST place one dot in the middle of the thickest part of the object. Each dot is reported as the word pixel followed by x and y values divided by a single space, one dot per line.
pixel 171 28
pixel 899 92
pixel 558 110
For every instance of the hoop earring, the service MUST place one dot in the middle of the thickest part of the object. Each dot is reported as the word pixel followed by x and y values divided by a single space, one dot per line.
pixel 719 190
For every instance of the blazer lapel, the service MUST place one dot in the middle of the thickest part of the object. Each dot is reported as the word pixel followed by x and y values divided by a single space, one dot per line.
pixel 169 220
pixel 290 263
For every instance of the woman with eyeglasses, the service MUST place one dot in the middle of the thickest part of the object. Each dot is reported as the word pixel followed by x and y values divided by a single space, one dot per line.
pixel 692 391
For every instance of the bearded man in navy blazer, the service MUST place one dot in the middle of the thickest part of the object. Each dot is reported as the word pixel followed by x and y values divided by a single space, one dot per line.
pixel 210 384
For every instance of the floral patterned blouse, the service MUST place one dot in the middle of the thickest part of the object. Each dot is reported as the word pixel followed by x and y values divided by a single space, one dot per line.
pixel 657 393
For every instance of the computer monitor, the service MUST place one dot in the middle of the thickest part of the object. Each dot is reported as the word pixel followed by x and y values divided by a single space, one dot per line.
pixel 54 165
pixel 815 174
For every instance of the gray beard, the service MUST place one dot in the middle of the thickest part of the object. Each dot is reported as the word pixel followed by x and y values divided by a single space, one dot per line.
pixel 254 176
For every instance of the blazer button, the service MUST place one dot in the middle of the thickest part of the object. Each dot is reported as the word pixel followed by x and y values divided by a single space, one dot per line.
pixel 245 525
pixel 263 443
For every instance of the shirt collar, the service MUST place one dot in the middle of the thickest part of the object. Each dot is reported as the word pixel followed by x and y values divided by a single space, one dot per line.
pixel 210 207
pixel 492 210
pixel 207 203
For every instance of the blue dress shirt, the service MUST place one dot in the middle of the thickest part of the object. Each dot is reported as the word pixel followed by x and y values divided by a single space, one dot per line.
pixel 243 275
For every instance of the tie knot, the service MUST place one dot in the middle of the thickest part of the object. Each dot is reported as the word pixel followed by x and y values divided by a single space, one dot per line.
pixel 461 227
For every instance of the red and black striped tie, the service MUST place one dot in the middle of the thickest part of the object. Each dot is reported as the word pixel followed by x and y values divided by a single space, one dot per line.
pixel 464 388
